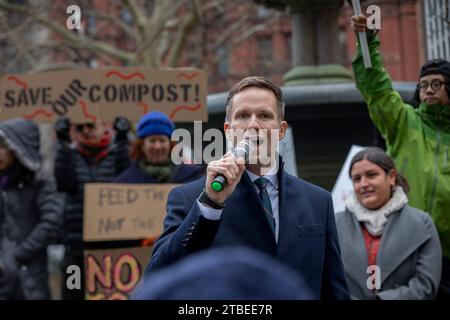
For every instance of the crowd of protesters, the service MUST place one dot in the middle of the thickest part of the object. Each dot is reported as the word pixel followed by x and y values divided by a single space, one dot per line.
pixel 36 211
pixel 397 218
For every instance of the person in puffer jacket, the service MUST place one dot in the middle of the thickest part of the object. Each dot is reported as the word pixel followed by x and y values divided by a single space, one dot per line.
pixel 418 139
pixel 30 213
pixel 86 152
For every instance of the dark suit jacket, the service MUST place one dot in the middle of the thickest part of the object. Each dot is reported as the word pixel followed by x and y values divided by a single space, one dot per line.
pixel 307 242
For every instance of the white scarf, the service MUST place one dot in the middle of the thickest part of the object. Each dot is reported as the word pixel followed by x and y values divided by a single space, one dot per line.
pixel 375 220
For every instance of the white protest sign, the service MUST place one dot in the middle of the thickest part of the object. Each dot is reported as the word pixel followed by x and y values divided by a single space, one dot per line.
pixel 343 186
pixel 287 151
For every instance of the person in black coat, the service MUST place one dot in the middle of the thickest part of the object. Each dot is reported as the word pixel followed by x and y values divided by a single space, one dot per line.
pixel 151 154
pixel 30 213
pixel 86 152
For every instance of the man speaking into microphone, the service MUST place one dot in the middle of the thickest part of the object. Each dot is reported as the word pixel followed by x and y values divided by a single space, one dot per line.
pixel 256 203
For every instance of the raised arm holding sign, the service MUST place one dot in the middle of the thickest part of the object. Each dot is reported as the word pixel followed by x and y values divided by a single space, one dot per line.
pixel 414 136
pixel 362 38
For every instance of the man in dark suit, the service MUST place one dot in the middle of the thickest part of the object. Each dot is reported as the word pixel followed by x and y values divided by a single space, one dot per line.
pixel 261 205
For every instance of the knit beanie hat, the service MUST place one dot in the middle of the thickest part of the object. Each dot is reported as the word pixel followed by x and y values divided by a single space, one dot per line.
pixel 155 122
pixel 435 66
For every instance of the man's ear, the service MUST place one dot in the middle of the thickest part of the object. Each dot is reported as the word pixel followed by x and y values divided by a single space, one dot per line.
pixel 282 130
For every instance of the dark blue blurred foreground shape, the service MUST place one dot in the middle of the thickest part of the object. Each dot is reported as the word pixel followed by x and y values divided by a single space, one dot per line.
pixel 224 274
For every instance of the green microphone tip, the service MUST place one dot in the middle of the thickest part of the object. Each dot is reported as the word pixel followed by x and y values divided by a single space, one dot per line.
pixel 216 186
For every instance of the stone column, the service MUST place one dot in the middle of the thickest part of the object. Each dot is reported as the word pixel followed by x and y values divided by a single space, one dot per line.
pixel 315 43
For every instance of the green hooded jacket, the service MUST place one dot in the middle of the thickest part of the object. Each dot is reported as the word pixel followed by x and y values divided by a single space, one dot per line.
pixel 417 139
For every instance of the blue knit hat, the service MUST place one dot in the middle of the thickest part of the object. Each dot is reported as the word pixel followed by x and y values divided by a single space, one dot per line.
pixel 155 122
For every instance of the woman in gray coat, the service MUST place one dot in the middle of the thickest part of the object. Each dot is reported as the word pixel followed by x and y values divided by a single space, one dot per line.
pixel 389 250
pixel 30 213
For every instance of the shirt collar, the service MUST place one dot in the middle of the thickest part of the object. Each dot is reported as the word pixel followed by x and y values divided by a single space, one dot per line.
pixel 271 175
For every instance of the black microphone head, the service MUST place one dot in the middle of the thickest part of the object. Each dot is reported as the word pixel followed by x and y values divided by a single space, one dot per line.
pixel 243 149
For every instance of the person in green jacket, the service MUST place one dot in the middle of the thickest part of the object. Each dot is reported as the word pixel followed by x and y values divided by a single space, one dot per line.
pixel 418 139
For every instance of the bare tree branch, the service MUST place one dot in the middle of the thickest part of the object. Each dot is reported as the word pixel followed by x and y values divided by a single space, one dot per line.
pixel 139 19
pixel 243 20
pixel 22 50
pixel 254 29
pixel 160 20
pixel 60 45
pixel 54 66
pixel 210 4
pixel 159 35
pixel 245 35
pixel 78 40
pixel 113 19
pixel 17 30
pixel 153 29
pixel 183 32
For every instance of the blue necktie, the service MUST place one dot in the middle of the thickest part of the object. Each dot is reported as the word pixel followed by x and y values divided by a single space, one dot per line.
pixel 265 199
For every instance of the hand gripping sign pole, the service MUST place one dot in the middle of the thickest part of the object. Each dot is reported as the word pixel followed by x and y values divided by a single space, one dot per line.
pixel 362 38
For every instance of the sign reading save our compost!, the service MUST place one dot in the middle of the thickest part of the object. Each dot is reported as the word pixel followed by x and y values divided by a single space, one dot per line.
pixel 89 94
pixel 124 211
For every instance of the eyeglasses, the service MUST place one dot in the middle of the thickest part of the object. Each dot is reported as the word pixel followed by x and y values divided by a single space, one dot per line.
pixel 435 85
pixel 80 127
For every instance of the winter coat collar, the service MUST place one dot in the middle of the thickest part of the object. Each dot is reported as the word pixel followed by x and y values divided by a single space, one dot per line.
pixel 403 235
pixel 435 115
pixel 375 220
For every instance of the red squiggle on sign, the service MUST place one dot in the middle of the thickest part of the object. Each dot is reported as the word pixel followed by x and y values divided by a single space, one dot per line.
pixel 19 82
pixel 85 112
pixel 188 108
pixel 187 76
pixel 125 77
pixel 144 107
pixel 38 112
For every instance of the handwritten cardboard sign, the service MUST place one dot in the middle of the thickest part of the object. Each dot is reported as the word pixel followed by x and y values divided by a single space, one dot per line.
pixel 86 95
pixel 124 211
pixel 113 274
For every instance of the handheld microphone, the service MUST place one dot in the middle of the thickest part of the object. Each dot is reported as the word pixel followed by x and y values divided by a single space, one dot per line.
pixel 242 150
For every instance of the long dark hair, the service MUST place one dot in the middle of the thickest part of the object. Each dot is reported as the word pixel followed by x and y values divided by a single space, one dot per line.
pixel 380 158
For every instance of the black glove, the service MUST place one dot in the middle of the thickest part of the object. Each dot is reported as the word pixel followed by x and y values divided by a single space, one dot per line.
pixel 62 128
pixel 122 126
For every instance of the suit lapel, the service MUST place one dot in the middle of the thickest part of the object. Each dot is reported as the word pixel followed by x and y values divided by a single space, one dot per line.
pixel 281 204
pixel 353 248
pixel 288 230
pixel 400 239
pixel 244 210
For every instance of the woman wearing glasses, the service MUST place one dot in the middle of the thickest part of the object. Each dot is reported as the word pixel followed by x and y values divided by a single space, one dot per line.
pixel 417 139
pixel 86 152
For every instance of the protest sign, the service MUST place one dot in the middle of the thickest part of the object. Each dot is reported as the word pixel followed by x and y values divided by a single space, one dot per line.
pixel 124 211
pixel 113 274
pixel 343 186
pixel 86 95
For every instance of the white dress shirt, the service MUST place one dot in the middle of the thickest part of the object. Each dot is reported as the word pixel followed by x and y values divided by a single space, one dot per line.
pixel 272 190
